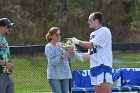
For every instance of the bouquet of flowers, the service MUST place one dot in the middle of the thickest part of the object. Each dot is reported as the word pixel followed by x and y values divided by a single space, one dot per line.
pixel 70 45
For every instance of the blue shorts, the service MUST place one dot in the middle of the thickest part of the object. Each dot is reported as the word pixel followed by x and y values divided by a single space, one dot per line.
pixel 98 80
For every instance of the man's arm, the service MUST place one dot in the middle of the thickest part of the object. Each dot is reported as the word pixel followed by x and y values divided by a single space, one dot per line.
pixel 8 65
pixel 85 56
pixel 85 44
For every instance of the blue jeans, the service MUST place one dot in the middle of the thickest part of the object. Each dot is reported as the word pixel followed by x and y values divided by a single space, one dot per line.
pixel 59 85
pixel 6 83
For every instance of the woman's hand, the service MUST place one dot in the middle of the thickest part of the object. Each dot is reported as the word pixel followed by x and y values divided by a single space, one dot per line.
pixel 69 52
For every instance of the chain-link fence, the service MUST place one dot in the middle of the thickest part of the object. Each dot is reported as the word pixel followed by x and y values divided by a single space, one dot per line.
pixel 30 75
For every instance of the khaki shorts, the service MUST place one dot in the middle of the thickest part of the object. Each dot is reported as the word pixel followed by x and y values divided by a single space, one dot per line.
pixel 98 80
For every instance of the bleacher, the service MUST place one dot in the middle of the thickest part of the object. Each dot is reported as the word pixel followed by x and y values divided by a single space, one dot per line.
pixel 125 80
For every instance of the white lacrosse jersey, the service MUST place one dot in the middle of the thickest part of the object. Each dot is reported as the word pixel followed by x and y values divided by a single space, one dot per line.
pixel 101 53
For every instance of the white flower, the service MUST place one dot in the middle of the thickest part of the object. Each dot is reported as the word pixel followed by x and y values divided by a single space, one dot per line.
pixel 68 45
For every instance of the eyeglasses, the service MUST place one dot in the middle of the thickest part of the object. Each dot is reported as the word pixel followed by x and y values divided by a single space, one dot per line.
pixel 58 35
pixel 9 27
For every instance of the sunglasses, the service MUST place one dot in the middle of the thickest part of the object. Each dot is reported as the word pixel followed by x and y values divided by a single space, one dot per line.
pixel 58 35
pixel 9 27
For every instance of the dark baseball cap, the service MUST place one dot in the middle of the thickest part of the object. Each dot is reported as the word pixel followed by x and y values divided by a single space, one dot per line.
pixel 5 22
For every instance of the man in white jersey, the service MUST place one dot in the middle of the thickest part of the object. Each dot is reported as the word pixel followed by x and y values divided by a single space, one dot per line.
pixel 99 53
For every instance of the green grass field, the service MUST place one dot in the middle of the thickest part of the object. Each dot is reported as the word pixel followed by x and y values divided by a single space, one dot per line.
pixel 30 74
pixel 30 71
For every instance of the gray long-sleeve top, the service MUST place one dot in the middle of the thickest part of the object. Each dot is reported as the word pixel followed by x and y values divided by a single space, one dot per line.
pixel 57 68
